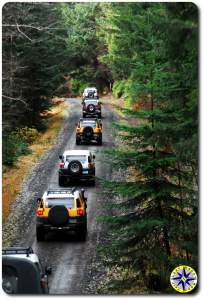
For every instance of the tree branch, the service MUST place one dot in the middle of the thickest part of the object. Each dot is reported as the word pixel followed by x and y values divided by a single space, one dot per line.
pixel 15 99
pixel 23 33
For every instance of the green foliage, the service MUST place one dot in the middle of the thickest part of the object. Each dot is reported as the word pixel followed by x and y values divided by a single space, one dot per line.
pixel 14 146
pixel 119 88
pixel 27 135
pixel 149 226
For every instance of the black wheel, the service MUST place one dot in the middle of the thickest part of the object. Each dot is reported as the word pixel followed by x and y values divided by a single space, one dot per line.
pixel 75 168
pixel 88 132
pixel 93 182
pixel 58 215
pixel 40 235
pixel 78 141
pixel 82 234
pixel 91 108
pixel 61 181
pixel 100 141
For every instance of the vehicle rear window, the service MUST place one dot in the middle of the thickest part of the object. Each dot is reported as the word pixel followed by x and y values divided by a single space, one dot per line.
pixel 87 102
pixel 81 158
pixel 67 202
pixel 88 123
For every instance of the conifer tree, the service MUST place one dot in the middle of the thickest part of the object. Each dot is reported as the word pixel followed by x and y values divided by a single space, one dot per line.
pixel 156 220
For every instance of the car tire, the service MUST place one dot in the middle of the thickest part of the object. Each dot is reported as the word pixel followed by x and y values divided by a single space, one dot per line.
pixel 100 141
pixel 61 181
pixel 82 234
pixel 40 234
pixel 78 141
pixel 71 170
pixel 58 215
pixel 91 108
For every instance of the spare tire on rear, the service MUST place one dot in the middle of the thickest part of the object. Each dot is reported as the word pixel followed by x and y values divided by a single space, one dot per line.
pixel 91 108
pixel 88 131
pixel 91 94
pixel 58 215
pixel 75 167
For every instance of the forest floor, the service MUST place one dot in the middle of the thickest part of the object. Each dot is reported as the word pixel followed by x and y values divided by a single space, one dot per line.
pixel 14 176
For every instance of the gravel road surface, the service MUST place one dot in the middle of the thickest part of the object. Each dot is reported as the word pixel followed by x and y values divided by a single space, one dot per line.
pixel 68 257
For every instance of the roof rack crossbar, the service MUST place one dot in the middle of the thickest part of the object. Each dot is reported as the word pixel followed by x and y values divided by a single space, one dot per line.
pixel 18 250
pixel 61 191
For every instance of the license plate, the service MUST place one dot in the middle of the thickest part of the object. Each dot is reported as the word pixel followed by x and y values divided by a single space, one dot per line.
pixel 85 172
pixel 72 221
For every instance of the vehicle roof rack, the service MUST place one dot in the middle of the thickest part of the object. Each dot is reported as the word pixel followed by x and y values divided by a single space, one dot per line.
pixel 61 191
pixel 17 250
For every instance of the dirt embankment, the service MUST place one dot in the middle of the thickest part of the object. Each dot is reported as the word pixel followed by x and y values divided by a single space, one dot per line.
pixel 13 177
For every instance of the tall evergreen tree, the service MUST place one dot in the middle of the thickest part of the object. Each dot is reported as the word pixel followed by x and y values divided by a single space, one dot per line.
pixel 151 234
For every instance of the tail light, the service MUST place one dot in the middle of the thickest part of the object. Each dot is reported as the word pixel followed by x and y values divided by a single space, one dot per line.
pixel 61 165
pixel 39 212
pixel 80 212
pixel 43 282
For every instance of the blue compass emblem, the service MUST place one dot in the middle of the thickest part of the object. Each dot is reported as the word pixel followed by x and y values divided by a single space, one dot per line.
pixel 183 279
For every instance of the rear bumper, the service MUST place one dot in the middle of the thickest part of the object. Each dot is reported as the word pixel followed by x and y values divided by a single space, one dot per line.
pixel 94 137
pixel 89 175
pixel 43 223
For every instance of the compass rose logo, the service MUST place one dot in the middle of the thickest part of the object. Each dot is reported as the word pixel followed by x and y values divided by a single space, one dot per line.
pixel 183 279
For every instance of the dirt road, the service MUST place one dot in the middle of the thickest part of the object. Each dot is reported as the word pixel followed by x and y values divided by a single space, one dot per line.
pixel 67 256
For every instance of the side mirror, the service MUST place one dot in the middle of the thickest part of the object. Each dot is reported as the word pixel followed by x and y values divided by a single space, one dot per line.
pixel 48 270
pixel 60 156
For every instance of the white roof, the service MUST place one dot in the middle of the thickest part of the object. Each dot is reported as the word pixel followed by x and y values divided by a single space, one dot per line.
pixel 76 152
pixel 32 257
pixel 90 99
pixel 90 88
pixel 60 194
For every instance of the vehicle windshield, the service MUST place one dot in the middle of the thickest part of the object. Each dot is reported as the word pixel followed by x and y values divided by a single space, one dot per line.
pixel 67 202
pixel 88 123
pixel 81 158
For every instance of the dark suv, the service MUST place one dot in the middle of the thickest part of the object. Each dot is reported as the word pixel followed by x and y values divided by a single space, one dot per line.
pixel 22 272
pixel 91 107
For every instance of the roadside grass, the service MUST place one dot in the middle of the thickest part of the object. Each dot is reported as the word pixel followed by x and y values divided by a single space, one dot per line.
pixel 13 177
